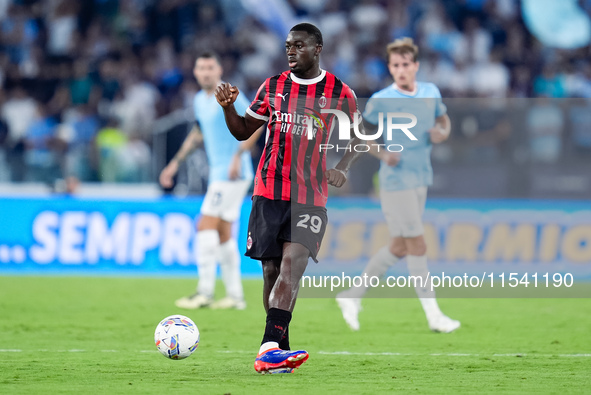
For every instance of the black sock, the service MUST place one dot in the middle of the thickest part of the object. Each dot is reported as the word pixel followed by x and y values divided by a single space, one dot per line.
pixel 284 343
pixel 277 323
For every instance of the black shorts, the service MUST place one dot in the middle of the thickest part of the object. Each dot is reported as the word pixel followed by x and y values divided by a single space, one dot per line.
pixel 270 225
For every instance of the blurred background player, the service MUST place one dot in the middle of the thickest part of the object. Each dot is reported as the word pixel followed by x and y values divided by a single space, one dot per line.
pixel 291 181
pixel 404 178
pixel 230 176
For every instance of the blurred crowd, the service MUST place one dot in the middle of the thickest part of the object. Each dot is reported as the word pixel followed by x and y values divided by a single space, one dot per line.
pixel 84 81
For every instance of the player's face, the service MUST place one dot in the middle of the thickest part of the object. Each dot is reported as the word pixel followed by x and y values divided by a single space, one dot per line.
pixel 404 70
pixel 208 73
pixel 302 52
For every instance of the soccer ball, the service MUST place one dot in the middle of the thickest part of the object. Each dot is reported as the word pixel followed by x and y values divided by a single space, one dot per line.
pixel 176 337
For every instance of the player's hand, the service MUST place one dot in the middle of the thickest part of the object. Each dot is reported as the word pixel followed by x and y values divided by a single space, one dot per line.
pixel 391 158
pixel 235 168
pixel 226 94
pixel 335 177
pixel 437 135
pixel 167 174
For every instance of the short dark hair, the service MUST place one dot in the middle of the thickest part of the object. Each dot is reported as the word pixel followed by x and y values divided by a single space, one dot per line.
pixel 310 29
pixel 209 55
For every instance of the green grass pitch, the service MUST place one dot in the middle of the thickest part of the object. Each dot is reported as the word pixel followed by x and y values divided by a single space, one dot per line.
pixel 95 335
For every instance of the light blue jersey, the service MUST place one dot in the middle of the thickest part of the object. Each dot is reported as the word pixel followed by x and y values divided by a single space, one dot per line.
pixel 414 169
pixel 220 145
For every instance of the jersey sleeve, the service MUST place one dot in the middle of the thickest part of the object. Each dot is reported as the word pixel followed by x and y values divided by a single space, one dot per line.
pixel 259 108
pixel 440 108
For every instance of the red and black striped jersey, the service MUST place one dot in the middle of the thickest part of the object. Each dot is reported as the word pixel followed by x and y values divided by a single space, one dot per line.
pixel 292 165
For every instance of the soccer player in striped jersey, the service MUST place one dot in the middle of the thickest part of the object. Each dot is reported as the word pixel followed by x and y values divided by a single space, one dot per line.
pixel 404 178
pixel 291 181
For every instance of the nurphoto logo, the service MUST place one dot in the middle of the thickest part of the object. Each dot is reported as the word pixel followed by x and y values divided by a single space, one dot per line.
pixel 392 123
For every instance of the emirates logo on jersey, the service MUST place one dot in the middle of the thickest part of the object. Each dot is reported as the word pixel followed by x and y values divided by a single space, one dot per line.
pixel 301 124
pixel 322 101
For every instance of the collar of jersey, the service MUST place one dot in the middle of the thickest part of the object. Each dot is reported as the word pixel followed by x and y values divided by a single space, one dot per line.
pixel 407 93
pixel 303 81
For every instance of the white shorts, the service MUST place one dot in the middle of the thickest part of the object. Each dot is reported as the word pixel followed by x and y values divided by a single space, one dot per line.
pixel 404 211
pixel 224 199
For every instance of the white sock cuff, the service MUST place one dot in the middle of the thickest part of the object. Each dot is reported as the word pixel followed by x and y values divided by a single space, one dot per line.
pixel 209 234
pixel 380 262
pixel 229 245
pixel 267 346
pixel 385 254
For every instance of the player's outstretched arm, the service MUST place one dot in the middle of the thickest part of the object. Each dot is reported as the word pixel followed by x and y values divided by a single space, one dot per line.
pixel 241 127
pixel 192 141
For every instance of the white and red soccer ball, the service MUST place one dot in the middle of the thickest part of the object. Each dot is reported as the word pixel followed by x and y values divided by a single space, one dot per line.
pixel 176 337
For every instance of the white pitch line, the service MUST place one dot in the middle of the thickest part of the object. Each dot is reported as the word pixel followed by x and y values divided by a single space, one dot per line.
pixel 395 354
pixel 340 353
pixel 452 354
pixel 234 352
